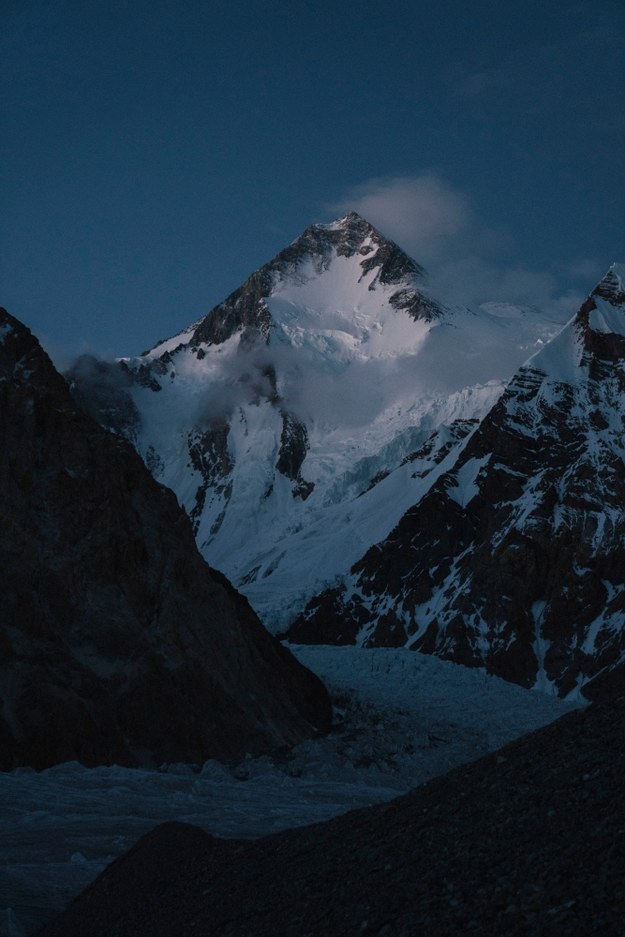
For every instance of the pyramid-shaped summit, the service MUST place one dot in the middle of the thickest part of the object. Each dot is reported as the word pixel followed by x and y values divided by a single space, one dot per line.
pixel 612 286
pixel 601 320
pixel 378 265
pixel 348 236
pixel 301 418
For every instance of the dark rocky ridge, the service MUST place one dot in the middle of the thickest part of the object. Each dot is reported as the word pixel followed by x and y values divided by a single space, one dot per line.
pixel 118 643
pixel 527 575
pixel 527 841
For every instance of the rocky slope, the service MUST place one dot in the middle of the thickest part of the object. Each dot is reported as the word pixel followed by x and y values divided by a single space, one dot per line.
pixel 285 419
pixel 528 840
pixel 117 642
pixel 514 559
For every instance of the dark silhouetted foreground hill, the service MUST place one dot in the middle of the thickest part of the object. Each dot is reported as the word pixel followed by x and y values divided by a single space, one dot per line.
pixel 526 841
pixel 117 642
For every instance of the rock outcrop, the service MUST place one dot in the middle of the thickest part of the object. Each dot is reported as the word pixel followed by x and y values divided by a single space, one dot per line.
pixel 117 642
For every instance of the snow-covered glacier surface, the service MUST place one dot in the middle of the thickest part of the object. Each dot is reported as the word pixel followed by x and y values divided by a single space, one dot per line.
pixel 401 718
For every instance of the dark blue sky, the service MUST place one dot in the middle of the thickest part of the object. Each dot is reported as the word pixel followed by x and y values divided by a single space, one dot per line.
pixel 154 153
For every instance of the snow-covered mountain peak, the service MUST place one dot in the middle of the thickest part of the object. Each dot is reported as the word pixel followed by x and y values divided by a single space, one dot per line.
pixel 304 414
pixel 345 237
pixel 352 231
pixel 337 267
pixel 351 219
pixel 595 334
pixel 601 319
pixel 612 286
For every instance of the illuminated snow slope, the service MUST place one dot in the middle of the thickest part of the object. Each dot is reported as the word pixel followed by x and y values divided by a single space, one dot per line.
pixel 302 417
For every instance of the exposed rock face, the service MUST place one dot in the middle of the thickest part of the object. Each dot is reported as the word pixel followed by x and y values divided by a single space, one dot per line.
pixel 515 558
pixel 208 451
pixel 293 448
pixel 117 642
pixel 528 840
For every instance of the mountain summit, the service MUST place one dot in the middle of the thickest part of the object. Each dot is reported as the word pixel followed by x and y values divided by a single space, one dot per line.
pixel 612 286
pixel 378 263
pixel 305 414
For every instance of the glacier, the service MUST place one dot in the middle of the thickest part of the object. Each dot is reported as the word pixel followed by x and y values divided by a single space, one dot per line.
pixel 401 718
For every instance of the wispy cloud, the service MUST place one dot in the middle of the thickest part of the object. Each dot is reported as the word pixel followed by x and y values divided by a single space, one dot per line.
pixel 422 213
pixel 467 259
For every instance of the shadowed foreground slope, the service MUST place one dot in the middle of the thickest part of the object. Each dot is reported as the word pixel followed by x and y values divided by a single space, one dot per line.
pixel 527 841
pixel 118 644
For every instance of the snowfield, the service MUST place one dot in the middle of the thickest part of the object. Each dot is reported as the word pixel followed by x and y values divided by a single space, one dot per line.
pixel 401 719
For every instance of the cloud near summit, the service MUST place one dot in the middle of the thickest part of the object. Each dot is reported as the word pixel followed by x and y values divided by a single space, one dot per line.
pixel 465 257
pixel 422 213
